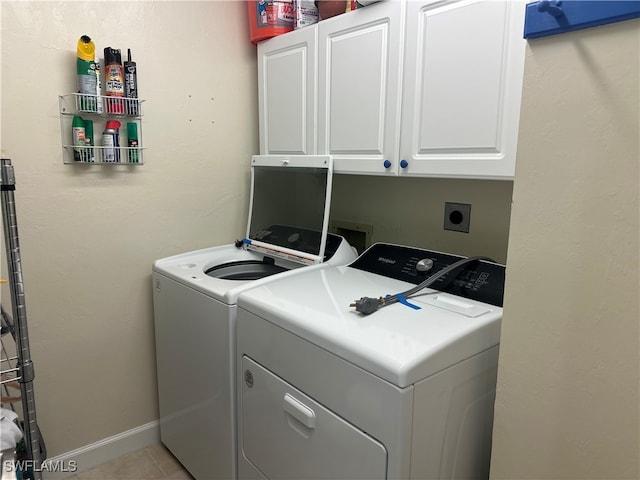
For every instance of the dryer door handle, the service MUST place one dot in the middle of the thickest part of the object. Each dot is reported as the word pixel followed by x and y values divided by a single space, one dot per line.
pixel 299 411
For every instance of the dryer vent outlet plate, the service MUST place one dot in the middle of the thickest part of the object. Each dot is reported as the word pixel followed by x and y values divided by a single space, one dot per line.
pixel 457 216
pixel 357 234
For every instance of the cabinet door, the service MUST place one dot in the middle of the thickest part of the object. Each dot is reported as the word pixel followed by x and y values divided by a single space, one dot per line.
pixel 359 88
pixel 287 70
pixel 461 94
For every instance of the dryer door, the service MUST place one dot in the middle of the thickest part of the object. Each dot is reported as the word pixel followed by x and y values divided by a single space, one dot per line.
pixel 287 435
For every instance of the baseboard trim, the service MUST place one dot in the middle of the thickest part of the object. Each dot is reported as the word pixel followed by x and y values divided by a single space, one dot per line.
pixel 94 454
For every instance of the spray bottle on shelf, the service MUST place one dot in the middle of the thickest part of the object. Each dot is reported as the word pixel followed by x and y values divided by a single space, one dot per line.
pixel 132 142
pixel 88 141
pixel 111 142
pixel 78 132
pixel 86 74
pixel 114 81
pixel 99 102
pixel 131 84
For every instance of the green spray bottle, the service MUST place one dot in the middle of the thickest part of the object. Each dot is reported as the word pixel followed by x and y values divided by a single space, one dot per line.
pixel 86 74
pixel 132 142
pixel 88 141
pixel 79 145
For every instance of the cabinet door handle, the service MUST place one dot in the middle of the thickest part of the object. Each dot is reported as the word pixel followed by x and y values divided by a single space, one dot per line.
pixel 387 164
pixel 299 411
pixel 404 163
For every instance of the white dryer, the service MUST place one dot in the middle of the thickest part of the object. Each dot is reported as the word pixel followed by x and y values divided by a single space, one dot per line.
pixel 194 300
pixel 404 393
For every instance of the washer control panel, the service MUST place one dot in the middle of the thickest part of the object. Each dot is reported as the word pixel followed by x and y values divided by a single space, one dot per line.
pixel 479 280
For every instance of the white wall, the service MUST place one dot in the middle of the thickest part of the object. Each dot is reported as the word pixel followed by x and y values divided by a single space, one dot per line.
pixel 89 235
pixel 410 211
pixel 568 402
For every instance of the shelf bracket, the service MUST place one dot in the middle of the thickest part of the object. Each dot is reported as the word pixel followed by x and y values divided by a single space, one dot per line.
pixel 552 17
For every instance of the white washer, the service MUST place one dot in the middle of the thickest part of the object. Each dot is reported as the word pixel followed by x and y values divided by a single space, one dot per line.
pixel 194 299
pixel 403 393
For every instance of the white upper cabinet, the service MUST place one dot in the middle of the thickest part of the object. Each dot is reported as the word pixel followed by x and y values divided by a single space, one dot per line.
pixel 417 87
pixel 463 68
pixel 287 93
pixel 359 74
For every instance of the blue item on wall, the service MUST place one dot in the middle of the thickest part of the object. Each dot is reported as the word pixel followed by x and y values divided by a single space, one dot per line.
pixel 551 17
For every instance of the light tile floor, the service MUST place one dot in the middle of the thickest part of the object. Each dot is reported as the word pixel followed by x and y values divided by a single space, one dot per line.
pixel 151 463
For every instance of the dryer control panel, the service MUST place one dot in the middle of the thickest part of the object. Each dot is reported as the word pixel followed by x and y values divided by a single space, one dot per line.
pixel 480 280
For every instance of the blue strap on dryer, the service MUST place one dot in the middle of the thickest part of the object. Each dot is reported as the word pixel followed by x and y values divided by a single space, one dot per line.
pixel 403 300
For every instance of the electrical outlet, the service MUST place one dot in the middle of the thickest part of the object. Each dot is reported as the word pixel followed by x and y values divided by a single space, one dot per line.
pixel 457 216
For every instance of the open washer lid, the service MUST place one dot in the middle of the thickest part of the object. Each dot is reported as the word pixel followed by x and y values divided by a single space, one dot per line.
pixel 289 206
